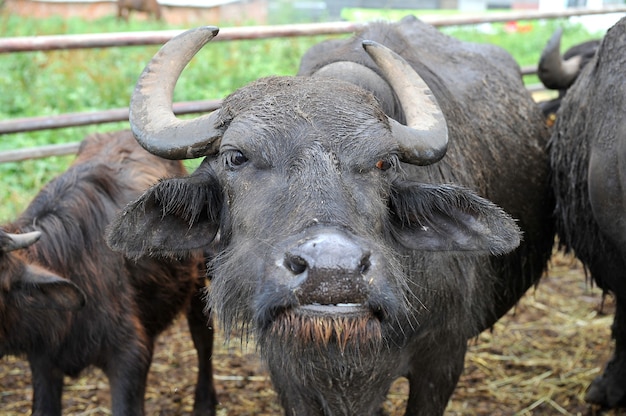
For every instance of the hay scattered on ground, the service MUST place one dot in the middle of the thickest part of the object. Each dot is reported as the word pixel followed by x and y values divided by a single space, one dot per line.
pixel 538 360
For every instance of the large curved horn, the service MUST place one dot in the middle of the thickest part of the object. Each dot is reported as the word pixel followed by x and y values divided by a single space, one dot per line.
pixel 19 241
pixel 424 140
pixel 554 72
pixel 151 116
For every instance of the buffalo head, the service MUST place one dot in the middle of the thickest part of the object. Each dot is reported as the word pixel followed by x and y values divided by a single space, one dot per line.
pixel 559 72
pixel 30 286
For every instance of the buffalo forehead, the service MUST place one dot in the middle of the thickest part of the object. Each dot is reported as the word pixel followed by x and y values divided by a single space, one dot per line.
pixel 268 113
pixel 311 98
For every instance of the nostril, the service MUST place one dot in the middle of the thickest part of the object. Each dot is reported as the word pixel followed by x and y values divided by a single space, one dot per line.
pixel 365 264
pixel 296 264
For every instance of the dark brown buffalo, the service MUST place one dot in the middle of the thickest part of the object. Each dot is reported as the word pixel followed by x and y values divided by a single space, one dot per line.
pixel 348 244
pixel 67 301
pixel 588 156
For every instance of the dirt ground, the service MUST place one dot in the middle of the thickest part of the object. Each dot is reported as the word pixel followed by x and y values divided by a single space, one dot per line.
pixel 538 360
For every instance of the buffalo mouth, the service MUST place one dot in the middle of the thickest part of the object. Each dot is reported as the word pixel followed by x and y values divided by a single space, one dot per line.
pixel 341 324
pixel 345 309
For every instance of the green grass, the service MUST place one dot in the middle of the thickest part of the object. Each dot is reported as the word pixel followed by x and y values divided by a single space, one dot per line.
pixel 56 82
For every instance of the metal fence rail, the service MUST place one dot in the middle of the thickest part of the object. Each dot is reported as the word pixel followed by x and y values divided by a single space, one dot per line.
pixel 57 42
pixel 80 119
pixel 103 40
pixel 86 118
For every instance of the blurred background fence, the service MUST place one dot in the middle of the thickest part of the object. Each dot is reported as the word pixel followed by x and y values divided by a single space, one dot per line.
pixel 27 44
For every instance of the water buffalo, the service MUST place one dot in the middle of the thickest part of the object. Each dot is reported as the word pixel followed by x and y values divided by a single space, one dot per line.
pixel 348 245
pixel 67 301
pixel 587 149
pixel 152 7
pixel 558 72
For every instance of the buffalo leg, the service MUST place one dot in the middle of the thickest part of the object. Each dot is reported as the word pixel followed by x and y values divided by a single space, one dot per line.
pixel 606 182
pixel 609 389
pixel 47 387
pixel 201 329
pixel 433 378
pixel 127 372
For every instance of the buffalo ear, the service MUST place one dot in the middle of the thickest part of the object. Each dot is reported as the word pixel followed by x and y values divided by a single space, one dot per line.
pixel 171 219
pixel 41 289
pixel 450 218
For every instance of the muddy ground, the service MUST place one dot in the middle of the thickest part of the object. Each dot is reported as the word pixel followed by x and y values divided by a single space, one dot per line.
pixel 538 360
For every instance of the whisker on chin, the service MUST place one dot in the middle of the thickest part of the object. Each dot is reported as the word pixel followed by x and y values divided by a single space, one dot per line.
pixel 322 331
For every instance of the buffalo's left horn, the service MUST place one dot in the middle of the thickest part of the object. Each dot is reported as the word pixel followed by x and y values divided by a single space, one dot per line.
pixel 152 119
pixel 554 72
pixel 424 140
pixel 19 241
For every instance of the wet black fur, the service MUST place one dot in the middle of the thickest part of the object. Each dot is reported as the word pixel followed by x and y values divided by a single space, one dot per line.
pixel 127 303
pixel 586 155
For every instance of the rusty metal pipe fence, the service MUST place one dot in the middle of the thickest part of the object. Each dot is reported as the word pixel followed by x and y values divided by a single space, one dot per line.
pixel 101 40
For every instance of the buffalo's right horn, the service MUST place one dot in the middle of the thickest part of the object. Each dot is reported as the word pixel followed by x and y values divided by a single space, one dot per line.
pixel 554 72
pixel 424 140
pixel 19 241
pixel 152 119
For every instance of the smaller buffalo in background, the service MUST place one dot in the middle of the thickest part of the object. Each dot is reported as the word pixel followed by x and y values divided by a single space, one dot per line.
pixel 558 72
pixel 68 302
pixel 152 7
pixel 588 155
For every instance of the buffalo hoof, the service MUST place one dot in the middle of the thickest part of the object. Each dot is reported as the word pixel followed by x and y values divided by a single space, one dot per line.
pixel 609 389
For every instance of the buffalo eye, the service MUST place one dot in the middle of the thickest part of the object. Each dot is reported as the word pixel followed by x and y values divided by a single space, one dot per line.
pixel 234 159
pixel 384 164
